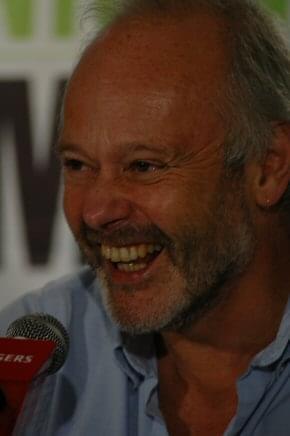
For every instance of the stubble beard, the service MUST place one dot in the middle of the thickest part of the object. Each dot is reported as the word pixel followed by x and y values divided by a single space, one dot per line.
pixel 207 259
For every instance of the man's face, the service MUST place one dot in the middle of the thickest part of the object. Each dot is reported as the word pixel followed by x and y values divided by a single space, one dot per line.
pixel 146 194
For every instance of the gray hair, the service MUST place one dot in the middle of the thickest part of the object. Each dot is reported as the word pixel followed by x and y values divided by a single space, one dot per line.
pixel 257 88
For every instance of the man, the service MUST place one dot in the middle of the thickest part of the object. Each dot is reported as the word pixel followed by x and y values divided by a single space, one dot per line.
pixel 175 148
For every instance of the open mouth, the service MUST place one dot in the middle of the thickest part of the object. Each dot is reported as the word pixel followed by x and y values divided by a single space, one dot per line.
pixel 131 258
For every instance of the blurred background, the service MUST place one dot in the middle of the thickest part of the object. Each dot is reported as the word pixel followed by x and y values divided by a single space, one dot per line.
pixel 40 41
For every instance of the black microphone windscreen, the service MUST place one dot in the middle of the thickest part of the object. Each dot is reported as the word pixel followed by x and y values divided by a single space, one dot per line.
pixel 43 326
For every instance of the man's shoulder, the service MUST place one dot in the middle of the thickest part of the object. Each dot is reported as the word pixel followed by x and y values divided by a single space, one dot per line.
pixel 60 298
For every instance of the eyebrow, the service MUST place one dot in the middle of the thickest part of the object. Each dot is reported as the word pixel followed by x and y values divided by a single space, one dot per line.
pixel 62 147
pixel 135 147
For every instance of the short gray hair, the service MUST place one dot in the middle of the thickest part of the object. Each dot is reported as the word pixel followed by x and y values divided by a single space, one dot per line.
pixel 257 89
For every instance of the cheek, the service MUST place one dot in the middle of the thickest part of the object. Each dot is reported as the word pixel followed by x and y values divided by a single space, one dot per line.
pixel 73 206
pixel 177 206
pixel 164 206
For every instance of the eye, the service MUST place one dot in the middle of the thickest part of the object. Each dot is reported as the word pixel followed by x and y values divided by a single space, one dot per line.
pixel 143 166
pixel 72 164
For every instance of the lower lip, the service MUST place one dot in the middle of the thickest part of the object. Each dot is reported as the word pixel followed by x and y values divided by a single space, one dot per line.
pixel 134 277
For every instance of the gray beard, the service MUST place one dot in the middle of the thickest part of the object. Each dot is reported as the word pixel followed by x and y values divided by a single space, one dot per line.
pixel 208 259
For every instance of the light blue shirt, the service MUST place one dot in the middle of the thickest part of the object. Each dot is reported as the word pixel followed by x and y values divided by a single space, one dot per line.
pixel 108 385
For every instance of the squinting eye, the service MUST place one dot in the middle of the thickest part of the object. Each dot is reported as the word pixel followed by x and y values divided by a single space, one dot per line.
pixel 73 164
pixel 143 166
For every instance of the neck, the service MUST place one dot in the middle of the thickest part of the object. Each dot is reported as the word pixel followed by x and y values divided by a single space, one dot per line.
pixel 230 334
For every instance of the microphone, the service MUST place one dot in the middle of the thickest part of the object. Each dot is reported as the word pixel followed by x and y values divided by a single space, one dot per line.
pixel 42 326
pixel 35 346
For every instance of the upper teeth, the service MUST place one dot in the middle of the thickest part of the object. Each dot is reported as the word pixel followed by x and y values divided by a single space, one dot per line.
pixel 128 254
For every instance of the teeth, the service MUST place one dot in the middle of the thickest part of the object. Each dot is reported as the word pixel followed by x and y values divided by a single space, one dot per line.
pixel 142 251
pixel 130 267
pixel 115 255
pixel 151 248
pixel 133 253
pixel 124 254
pixel 128 254
pixel 107 252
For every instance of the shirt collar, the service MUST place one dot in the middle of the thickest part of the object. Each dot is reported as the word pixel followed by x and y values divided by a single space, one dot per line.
pixel 135 355
pixel 276 350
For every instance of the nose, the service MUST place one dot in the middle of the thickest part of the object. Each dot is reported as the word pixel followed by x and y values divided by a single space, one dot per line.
pixel 105 206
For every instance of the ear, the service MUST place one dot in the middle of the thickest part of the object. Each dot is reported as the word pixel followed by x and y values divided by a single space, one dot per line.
pixel 274 173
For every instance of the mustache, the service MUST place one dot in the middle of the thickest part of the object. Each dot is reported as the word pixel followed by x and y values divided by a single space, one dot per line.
pixel 125 235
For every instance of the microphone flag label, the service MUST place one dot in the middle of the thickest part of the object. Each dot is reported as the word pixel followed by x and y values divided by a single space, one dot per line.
pixel 22 359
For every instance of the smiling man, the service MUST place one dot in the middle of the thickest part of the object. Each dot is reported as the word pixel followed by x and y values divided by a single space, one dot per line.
pixel 144 187
pixel 175 149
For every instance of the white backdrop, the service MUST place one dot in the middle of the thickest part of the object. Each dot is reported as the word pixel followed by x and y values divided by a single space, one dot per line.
pixel 39 43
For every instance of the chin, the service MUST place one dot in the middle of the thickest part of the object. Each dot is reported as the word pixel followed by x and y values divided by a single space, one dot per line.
pixel 143 311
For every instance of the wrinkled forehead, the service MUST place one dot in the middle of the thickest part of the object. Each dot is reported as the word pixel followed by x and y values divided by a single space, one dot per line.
pixel 161 52
pixel 159 75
